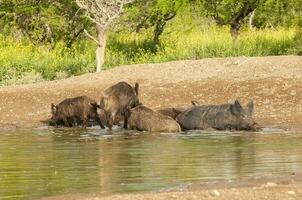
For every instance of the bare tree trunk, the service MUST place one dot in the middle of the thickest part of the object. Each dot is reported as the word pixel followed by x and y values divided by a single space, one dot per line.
pixel 100 50
pixel 251 20
pixel 158 30
pixel 102 13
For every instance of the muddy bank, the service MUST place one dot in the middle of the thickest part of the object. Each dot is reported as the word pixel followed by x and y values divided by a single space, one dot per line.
pixel 271 187
pixel 274 83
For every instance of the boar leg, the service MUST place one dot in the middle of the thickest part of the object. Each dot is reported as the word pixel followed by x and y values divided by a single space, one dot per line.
pixel 111 120
pixel 85 122
pixel 65 122
pixel 100 123
pixel 110 123
pixel 74 122
pixel 125 122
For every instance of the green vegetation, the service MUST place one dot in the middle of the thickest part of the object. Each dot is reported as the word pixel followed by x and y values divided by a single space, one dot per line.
pixel 34 54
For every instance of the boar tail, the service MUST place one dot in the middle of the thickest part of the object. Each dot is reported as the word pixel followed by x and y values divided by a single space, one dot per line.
pixel 136 87
pixel 128 107
pixel 195 103
pixel 53 108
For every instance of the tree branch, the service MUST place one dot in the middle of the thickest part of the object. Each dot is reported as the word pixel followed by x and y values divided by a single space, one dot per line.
pixel 91 37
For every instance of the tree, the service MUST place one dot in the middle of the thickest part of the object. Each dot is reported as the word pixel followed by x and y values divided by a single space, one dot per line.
pixel 153 14
pixel 230 12
pixel 274 13
pixel 102 13
pixel 42 21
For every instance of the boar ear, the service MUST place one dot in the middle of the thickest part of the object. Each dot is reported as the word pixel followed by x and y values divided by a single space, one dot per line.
pixel 250 107
pixel 195 103
pixel 236 108
pixel 136 87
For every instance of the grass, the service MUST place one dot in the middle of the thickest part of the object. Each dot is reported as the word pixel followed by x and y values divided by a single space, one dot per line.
pixel 21 62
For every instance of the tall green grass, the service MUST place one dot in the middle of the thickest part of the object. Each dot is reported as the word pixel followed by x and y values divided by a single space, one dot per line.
pixel 21 58
pixel 212 42
pixel 22 62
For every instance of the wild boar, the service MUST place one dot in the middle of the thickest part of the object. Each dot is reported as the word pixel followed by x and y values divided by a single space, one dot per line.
pixel 171 112
pixel 115 99
pixel 78 110
pixel 174 112
pixel 142 118
pixel 220 117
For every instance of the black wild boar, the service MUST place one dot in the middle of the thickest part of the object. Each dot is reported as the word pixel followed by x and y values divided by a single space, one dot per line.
pixel 78 110
pixel 220 117
pixel 115 100
pixel 142 118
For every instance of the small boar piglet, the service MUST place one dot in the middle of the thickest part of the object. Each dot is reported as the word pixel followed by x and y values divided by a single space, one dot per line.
pixel 174 112
pixel 221 117
pixel 115 100
pixel 75 111
pixel 171 112
pixel 142 118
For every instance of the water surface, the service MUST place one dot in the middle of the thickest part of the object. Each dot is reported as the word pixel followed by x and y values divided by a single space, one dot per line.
pixel 43 162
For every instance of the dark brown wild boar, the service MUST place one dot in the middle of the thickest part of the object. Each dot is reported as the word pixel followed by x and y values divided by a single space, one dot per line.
pixel 220 117
pixel 115 100
pixel 142 118
pixel 78 110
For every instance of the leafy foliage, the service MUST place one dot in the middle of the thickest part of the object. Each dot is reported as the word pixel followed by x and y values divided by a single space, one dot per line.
pixel 44 40
pixel 153 13
pixel 274 13
pixel 42 21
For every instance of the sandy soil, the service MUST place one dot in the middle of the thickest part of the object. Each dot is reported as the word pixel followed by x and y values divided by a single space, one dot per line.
pixel 274 83
pixel 286 187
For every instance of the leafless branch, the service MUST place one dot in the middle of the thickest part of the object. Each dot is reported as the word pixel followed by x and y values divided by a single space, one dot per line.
pixel 102 12
pixel 91 37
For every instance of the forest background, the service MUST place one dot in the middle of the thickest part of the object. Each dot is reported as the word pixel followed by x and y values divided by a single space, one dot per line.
pixel 48 40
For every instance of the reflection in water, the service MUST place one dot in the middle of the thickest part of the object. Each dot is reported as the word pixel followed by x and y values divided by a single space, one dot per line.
pixel 45 163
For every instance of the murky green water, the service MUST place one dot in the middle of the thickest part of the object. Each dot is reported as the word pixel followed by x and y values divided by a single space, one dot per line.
pixel 38 163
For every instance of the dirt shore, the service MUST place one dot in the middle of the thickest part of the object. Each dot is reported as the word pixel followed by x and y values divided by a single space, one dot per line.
pixel 274 83
pixel 286 187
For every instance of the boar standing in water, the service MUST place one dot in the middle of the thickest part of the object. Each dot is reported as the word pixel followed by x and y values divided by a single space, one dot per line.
pixel 115 99
pixel 142 118
pixel 174 112
pixel 220 117
pixel 76 110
